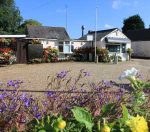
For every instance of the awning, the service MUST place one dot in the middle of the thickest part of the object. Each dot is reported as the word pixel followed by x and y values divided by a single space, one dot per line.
pixel 117 40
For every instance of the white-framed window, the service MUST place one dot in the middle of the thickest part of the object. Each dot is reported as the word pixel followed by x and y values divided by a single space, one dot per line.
pixel 65 47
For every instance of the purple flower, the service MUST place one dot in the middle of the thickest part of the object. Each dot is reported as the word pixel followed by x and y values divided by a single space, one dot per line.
pixel 38 115
pixel 1 96
pixel 27 103
pixel 107 84
pixel 23 97
pixel 35 108
pixel 50 93
pixel 62 74
pixel 10 83
pixel 86 74
pixel 12 107
pixel 1 83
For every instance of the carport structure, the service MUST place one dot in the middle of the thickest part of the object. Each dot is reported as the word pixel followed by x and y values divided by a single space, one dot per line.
pixel 17 44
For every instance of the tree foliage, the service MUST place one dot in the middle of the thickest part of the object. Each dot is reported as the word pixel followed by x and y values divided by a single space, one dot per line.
pixel 29 22
pixel 133 23
pixel 10 17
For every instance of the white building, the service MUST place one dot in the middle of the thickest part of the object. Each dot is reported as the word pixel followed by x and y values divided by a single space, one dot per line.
pixel 55 37
pixel 112 39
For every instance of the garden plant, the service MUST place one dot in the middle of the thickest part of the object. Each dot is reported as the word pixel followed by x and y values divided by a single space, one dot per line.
pixel 7 55
pixel 77 104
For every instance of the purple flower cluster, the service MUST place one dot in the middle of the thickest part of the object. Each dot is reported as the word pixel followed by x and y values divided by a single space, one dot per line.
pixel 62 74
pixel 14 83
pixel 108 84
pixel 86 74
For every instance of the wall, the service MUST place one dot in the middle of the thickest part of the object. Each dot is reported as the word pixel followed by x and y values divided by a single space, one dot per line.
pixel 47 43
pixel 116 33
pixel 141 49
pixel 79 44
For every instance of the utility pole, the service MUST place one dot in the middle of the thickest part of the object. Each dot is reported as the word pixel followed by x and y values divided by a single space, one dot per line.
pixel 96 32
pixel 66 17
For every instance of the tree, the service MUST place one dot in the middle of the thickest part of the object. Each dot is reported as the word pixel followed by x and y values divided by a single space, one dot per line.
pixel 10 17
pixel 29 22
pixel 133 23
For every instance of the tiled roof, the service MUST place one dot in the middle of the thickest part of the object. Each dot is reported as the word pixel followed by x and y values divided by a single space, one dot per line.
pixel 100 34
pixel 47 32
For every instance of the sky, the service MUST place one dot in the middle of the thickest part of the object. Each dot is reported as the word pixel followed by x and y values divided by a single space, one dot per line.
pixel 110 13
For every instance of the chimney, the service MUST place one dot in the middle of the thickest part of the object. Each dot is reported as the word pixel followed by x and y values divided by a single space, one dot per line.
pixel 82 28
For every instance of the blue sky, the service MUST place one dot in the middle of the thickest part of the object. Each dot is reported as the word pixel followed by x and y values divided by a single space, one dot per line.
pixel 82 12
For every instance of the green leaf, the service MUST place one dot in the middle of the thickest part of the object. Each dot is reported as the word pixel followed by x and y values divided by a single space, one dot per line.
pixel 106 109
pixel 42 130
pixel 83 116
pixel 125 113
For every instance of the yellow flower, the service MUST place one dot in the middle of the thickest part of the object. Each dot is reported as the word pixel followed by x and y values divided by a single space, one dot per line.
pixel 106 128
pixel 137 124
pixel 61 124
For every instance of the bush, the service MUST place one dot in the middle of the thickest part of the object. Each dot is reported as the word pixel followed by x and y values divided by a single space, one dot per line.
pixel 7 55
pixel 50 55
pixel 103 55
pixel 113 57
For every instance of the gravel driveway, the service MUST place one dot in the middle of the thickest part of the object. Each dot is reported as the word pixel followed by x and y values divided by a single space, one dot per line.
pixel 35 75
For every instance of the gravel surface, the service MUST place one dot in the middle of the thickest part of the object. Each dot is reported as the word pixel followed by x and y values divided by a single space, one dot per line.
pixel 35 75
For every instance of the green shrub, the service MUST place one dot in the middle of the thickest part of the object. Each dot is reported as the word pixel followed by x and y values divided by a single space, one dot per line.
pixel 103 55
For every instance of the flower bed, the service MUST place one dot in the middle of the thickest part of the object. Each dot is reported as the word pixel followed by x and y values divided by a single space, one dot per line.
pixel 74 104
pixel 50 55
pixel 7 56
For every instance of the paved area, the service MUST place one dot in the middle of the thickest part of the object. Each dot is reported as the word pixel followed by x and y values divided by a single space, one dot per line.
pixel 35 75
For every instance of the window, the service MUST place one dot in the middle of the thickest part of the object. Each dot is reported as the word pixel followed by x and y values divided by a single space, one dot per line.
pixel 113 48
pixel 67 42
pixel 123 48
pixel 65 47
pixel 72 48
pixel 60 48
pixel 60 42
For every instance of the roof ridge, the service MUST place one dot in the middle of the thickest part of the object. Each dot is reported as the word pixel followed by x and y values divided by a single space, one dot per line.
pixel 45 26
pixel 105 30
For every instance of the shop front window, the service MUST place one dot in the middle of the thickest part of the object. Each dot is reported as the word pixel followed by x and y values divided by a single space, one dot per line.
pixel 113 48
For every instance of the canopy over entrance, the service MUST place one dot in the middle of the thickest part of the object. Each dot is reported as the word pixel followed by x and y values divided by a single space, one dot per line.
pixel 116 40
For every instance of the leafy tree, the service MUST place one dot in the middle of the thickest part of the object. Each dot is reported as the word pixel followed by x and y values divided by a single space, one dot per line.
pixel 10 18
pixel 29 22
pixel 133 23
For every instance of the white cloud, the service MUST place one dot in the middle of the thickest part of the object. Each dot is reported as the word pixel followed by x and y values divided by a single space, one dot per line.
pixel 117 4
pixel 107 26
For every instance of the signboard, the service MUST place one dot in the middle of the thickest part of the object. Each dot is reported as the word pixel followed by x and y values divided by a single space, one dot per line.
pixel 89 37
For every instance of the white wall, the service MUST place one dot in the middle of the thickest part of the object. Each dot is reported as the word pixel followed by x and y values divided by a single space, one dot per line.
pixel 47 43
pixel 79 44
pixel 116 33
pixel 141 48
